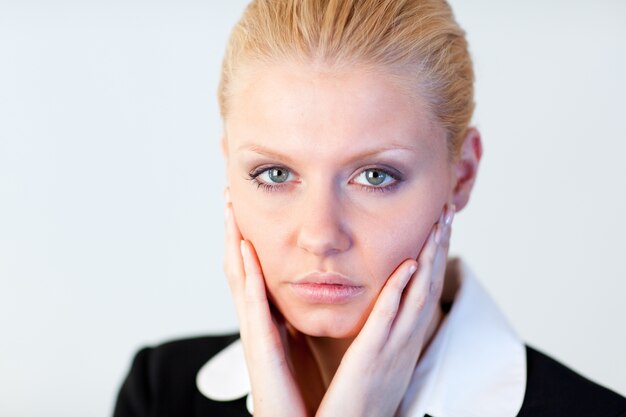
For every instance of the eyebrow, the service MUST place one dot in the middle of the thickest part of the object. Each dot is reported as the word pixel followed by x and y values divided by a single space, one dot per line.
pixel 368 153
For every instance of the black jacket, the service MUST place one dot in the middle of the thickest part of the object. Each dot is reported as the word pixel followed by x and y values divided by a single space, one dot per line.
pixel 162 383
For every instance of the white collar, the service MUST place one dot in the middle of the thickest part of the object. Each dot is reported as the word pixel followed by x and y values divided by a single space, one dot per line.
pixel 475 365
pixel 225 376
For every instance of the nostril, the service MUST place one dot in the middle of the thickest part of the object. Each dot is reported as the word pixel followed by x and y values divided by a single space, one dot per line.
pixel 323 241
pixel 322 231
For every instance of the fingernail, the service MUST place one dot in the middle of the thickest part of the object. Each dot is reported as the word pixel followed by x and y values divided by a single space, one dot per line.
pixel 409 273
pixel 227 195
pixel 450 214
pixel 438 233
pixel 226 212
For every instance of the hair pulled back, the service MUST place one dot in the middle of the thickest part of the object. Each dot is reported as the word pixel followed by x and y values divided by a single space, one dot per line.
pixel 418 39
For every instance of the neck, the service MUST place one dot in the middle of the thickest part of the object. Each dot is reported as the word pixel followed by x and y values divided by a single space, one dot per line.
pixel 328 353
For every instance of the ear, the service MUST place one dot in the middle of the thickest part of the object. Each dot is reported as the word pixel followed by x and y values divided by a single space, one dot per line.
pixel 466 168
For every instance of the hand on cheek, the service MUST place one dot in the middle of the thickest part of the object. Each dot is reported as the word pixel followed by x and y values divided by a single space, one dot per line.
pixel 376 370
pixel 274 389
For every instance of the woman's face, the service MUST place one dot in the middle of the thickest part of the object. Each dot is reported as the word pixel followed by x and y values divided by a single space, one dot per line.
pixel 332 172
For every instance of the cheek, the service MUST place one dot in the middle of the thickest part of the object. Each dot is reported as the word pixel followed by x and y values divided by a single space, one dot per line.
pixel 251 220
pixel 264 230
pixel 381 242
pixel 391 242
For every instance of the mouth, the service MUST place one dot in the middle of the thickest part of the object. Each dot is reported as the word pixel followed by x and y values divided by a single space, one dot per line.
pixel 326 288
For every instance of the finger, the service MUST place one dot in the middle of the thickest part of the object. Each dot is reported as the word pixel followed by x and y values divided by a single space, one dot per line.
pixel 424 290
pixel 438 266
pixel 432 262
pixel 233 264
pixel 259 318
pixel 386 310
pixel 272 383
pixel 376 328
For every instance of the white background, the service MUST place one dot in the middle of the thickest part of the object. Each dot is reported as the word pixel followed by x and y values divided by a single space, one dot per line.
pixel 111 186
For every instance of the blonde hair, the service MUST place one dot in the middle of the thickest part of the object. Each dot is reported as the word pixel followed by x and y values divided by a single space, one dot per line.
pixel 419 39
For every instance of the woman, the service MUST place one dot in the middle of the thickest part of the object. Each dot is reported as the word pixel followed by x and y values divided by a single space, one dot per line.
pixel 348 151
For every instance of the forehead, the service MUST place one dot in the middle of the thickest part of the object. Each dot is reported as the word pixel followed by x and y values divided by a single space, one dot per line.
pixel 306 108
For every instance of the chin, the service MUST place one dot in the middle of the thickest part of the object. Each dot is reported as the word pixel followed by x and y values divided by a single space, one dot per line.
pixel 327 322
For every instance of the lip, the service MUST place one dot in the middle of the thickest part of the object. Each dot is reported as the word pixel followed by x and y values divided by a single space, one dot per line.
pixel 326 288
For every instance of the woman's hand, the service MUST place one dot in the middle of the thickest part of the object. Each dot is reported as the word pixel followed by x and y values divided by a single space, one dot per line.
pixel 274 390
pixel 375 372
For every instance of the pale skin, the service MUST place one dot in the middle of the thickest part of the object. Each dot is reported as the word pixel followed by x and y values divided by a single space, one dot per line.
pixel 334 137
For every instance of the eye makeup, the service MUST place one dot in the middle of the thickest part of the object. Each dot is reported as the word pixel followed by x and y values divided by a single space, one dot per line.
pixel 269 186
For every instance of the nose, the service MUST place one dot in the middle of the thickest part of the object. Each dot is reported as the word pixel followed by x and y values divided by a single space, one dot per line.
pixel 322 229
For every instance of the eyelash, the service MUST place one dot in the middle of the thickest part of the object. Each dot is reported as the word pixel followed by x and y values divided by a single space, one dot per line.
pixel 252 177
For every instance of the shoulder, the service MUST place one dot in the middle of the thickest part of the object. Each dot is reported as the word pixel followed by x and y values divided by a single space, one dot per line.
pixel 552 389
pixel 162 380
pixel 185 353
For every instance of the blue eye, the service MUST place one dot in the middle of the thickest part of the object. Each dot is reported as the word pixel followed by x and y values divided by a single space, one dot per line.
pixel 270 178
pixel 274 178
pixel 376 177
pixel 276 174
